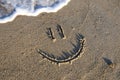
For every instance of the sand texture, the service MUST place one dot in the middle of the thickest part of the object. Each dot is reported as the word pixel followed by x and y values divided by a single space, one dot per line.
pixel 98 21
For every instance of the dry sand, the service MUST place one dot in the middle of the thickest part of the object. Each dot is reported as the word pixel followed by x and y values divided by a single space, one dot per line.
pixel 97 20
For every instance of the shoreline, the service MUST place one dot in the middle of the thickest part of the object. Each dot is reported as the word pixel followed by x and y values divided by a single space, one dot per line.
pixel 19 11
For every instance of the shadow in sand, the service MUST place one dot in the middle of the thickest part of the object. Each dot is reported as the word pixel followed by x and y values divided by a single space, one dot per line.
pixel 108 61
pixel 77 46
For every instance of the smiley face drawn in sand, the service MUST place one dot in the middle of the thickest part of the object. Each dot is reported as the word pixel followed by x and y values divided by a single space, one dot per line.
pixel 66 56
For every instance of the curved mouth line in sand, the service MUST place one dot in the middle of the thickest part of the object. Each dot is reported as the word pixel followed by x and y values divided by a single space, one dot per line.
pixel 67 56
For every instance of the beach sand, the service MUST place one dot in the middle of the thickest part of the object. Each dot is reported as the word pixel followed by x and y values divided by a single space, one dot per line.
pixel 97 20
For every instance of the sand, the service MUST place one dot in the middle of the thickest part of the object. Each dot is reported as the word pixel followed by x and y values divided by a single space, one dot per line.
pixel 97 20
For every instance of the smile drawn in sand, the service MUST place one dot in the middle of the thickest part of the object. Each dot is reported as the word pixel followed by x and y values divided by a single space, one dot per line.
pixel 66 56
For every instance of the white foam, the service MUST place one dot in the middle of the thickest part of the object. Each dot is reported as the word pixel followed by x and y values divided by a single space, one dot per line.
pixel 23 11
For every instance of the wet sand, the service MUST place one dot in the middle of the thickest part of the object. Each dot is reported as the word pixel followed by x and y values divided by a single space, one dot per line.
pixel 98 21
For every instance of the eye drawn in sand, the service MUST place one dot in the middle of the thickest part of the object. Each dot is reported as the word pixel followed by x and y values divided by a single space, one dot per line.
pixel 60 31
pixel 50 34
pixel 69 56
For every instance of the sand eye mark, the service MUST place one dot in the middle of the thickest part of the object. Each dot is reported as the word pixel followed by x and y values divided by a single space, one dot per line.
pixel 50 34
pixel 60 31
pixel 66 56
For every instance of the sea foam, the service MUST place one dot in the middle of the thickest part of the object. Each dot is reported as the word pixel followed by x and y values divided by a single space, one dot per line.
pixel 10 9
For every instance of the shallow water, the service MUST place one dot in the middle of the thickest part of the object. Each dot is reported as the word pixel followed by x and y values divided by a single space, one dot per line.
pixel 9 9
